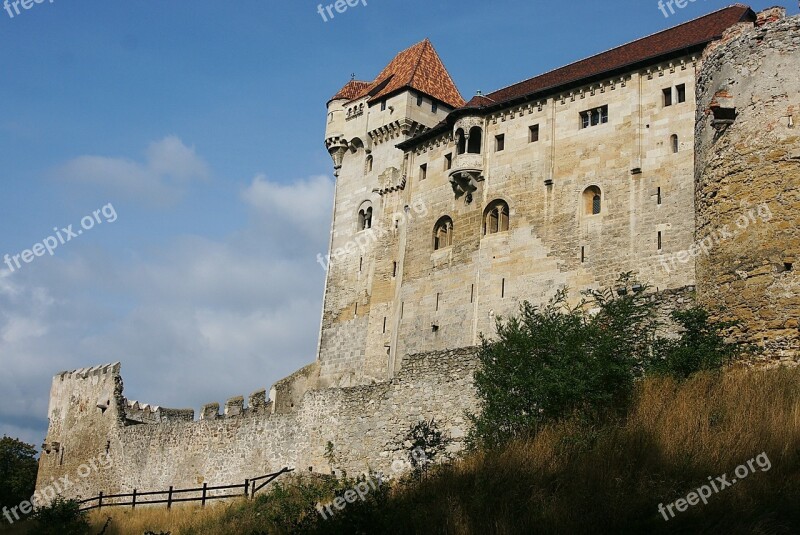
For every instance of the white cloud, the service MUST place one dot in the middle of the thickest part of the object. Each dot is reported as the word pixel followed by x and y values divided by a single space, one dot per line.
pixel 161 180
pixel 192 321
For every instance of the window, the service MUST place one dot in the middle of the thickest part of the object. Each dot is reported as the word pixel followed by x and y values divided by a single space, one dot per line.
pixel 448 161
pixel 423 171
pixel 533 134
pixel 659 240
pixel 394 269
pixel 419 100
pixel 592 200
pixel 369 164
pixel 583 254
pixel 443 233
pixel 434 107
pixel 499 142
pixel 667 96
pixel 673 143
pixel 365 216
pixel 475 140
pixel 383 105
pixel 658 195
pixel 461 142
pixel 495 218
pixel 681 92
pixel 594 117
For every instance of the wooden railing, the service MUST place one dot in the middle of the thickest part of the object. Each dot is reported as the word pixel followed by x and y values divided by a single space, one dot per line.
pixel 247 489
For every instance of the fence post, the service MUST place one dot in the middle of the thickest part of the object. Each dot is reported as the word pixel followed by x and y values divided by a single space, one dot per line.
pixel 133 503
pixel 169 498
pixel 205 486
pixel 246 488
pixel 100 500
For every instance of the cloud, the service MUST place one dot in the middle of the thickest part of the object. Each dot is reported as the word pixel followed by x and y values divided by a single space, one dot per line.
pixel 168 169
pixel 193 320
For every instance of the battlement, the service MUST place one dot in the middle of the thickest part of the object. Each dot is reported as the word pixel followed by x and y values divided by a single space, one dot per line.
pixel 257 404
pixel 93 371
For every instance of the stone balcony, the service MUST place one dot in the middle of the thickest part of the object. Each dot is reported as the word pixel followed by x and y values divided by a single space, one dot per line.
pixel 466 172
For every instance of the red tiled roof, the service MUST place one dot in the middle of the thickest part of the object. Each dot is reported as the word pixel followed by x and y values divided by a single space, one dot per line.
pixel 351 90
pixel 419 68
pixel 695 32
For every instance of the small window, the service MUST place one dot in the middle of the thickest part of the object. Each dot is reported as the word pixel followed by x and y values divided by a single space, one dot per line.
pixel 461 142
pixel 434 107
pixel 419 100
pixel 592 200
pixel 443 233
pixel 659 240
pixel 681 92
pixel 475 140
pixel 583 254
pixel 496 217
pixel 533 134
pixel 365 217
pixel 369 164
pixel 448 161
pixel 499 142
pixel 423 171
pixel 383 105
pixel 667 96
pixel 658 195
pixel 673 142
pixel 394 269
pixel 594 117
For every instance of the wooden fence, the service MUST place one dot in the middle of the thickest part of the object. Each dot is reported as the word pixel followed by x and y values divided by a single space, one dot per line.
pixel 247 489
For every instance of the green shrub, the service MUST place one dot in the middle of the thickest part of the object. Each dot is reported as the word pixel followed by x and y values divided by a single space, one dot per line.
pixel 18 469
pixel 62 517
pixel 554 361
pixel 701 346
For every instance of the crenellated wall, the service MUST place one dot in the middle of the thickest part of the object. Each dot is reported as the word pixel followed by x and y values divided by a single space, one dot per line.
pixel 152 448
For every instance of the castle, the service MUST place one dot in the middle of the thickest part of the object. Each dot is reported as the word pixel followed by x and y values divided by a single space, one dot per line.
pixel 449 214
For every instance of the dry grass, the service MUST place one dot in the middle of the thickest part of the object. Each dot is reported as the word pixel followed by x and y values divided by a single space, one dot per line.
pixel 158 519
pixel 574 479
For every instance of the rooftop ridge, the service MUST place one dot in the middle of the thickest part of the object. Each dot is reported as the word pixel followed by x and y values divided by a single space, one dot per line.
pixel 587 58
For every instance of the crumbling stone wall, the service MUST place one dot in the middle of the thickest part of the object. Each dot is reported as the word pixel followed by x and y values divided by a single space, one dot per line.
pixel 748 156
pixel 152 448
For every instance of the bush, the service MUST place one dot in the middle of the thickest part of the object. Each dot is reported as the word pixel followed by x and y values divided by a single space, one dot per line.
pixel 554 361
pixel 428 443
pixel 700 347
pixel 62 517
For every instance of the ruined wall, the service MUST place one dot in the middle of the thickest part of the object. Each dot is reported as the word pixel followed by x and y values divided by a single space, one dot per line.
pixel 748 157
pixel 366 424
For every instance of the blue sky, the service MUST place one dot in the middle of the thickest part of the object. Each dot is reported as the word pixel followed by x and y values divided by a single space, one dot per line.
pixel 202 124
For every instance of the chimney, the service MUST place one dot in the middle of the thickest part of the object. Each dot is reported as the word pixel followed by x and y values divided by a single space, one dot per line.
pixel 771 14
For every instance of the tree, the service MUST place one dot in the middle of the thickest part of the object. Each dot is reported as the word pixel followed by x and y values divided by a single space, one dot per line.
pixel 555 361
pixel 427 444
pixel 18 467
pixel 701 346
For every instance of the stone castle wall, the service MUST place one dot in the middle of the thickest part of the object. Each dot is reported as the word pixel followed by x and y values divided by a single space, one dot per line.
pixel 748 157
pixel 366 424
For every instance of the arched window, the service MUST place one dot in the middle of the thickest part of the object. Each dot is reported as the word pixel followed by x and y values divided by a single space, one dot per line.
pixel 673 142
pixel 368 164
pixel 475 140
pixel 592 200
pixel 365 216
pixel 495 218
pixel 461 142
pixel 443 233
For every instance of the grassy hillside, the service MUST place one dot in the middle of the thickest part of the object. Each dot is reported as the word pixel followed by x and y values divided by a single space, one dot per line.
pixel 569 478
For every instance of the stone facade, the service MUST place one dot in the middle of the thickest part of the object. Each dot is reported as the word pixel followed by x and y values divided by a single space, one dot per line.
pixel 748 157
pixel 367 426
pixel 447 216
